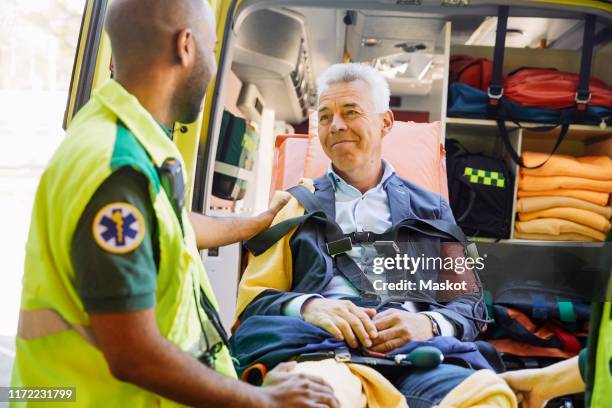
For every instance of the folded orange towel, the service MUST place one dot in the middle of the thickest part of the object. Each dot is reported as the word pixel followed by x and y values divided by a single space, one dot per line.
pixel 556 226
pixel 570 236
pixel 528 204
pixel 577 215
pixel 591 196
pixel 533 183
pixel 591 167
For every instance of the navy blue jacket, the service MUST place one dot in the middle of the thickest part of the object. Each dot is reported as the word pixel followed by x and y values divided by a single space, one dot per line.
pixel 254 342
pixel 313 268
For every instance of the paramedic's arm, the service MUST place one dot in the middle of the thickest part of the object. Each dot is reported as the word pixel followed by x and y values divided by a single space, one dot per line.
pixel 534 387
pixel 137 353
pixel 214 232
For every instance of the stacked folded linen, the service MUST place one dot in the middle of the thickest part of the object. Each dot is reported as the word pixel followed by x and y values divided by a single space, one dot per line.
pixel 564 200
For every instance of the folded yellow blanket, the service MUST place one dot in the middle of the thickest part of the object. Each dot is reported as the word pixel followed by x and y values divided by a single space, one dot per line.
pixel 528 204
pixel 533 183
pixel 354 385
pixel 591 196
pixel 570 236
pixel 577 215
pixel 591 167
pixel 556 226
pixel 483 389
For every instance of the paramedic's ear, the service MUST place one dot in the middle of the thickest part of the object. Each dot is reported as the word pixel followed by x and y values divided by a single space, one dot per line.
pixel 185 49
pixel 387 119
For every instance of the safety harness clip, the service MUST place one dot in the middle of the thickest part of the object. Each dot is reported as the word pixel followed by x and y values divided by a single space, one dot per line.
pixel 339 246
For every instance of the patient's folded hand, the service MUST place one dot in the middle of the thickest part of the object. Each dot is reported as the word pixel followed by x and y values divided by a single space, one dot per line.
pixel 342 319
pixel 398 327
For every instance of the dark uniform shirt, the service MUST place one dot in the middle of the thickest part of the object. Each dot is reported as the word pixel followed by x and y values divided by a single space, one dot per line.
pixel 110 280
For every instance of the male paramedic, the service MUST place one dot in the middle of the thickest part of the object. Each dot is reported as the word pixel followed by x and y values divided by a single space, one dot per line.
pixel 115 299
pixel 363 194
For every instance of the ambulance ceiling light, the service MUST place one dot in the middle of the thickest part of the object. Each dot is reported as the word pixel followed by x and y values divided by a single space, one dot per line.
pixel 404 65
pixel 370 42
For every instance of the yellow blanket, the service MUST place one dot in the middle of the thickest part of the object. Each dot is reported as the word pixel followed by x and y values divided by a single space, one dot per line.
pixel 354 385
pixel 591 196
pixel 556 226
pixel 274 268
pixel 570 236
pixel 584 217
pixel 483 389
pixel 533 183
pixel 529 204
pixel 591 167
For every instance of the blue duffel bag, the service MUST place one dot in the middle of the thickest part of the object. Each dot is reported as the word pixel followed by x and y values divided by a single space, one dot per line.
pixel 468 102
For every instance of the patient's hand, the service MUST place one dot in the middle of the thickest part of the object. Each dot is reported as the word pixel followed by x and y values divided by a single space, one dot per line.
pixel 342 319
pixel 398 327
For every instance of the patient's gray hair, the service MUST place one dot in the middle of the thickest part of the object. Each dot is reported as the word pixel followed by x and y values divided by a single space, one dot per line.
pixel 353 72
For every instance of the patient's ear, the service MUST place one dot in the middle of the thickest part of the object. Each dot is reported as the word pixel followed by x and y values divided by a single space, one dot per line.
pixel 388 120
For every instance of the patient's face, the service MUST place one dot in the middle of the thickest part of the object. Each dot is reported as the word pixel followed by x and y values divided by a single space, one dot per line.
pixel 350 130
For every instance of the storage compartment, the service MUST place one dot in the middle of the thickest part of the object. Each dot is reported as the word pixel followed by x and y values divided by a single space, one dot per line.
pixel 581 140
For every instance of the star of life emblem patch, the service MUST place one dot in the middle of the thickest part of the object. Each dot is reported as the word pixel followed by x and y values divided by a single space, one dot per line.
pixel 118 228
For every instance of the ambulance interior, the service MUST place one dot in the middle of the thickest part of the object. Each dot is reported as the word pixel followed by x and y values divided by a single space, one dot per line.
pixel 267 78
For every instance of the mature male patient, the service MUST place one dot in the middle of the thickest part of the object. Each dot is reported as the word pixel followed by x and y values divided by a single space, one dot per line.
pixel 363 193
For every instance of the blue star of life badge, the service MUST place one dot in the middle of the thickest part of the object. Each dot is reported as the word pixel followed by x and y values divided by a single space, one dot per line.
pixel 118 228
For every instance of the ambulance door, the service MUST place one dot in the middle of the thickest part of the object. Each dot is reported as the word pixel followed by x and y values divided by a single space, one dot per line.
pixel 91 60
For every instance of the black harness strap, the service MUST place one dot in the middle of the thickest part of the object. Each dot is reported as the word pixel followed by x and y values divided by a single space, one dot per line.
pixel 496 87
pixel 583 94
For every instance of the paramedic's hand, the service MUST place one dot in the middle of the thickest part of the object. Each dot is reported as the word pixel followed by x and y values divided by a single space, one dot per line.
pixel 214 232
pixel 398 327
pixel 534 387
pixel 262 221
pixel 342 319
pixel 284 389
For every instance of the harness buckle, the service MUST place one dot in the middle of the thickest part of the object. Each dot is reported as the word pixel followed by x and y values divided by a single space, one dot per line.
pixel 358 237
pixel 339 246
pixel 495 93
pixel 342 355
pixel 582 99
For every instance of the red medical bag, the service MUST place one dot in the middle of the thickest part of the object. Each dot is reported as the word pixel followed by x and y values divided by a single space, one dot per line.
pixel 552 89
pixel 469 70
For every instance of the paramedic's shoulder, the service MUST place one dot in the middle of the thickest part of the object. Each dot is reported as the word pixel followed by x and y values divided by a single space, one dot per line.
pixel 424 203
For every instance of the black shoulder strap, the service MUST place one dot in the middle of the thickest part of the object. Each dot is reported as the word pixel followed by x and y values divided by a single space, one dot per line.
pixel 496 87
pixel 311 203
pixel 265 239
pixel 582 98
pixel 261 242
pixel 440 228
pixel 583 93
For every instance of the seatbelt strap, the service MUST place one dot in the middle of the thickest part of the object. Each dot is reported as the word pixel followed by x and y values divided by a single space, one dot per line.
pixel 496 87
pixel 261 242
pixel 34 324
pixel 583 94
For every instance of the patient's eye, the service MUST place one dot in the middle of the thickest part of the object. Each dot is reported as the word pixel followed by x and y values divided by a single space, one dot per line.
pixel 324 118
pixel 351 113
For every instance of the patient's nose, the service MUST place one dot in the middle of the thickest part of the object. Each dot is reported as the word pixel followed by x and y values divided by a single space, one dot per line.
pixel 338 124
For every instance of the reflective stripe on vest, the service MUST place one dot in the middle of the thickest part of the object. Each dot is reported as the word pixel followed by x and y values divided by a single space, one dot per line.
pixel 34 324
